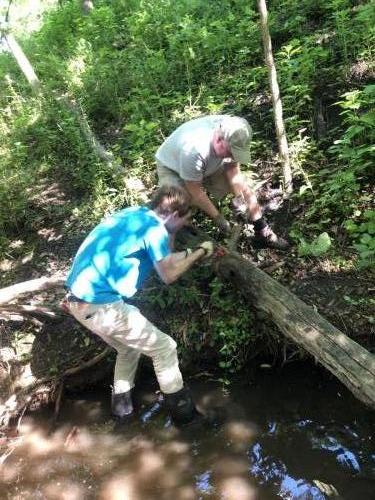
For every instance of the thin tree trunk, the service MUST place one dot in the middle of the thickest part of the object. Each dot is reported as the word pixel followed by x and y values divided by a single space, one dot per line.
pixel 276 99
pixel 74 108
pixel 23 63
pixel 87 7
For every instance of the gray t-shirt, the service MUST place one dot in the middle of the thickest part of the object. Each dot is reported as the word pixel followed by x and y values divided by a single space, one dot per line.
pixel 188 150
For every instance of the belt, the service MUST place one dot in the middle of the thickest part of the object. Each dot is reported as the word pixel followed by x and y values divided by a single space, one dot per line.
pixel 72 298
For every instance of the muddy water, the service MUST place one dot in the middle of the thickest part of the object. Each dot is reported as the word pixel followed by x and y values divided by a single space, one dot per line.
pixel 293 434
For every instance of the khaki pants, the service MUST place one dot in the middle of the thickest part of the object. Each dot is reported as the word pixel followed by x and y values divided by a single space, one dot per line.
pixel 216 184
pixel 123 327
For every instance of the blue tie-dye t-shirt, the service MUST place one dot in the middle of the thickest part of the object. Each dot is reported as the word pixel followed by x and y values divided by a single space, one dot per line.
pixel 118 255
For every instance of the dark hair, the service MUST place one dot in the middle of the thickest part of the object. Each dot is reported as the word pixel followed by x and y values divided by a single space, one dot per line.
pixel 169 199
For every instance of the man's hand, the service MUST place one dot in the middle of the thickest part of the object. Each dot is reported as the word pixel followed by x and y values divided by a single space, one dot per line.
pixel 208 248
pixel 222 224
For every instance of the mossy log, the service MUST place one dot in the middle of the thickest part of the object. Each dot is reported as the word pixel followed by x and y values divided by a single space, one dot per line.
pixel 353 365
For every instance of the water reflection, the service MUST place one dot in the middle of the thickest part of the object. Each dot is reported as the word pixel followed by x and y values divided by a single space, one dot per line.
pixel 271 471
pixel 203 482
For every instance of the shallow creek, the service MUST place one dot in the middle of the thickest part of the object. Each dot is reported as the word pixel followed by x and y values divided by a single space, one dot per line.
pixel 290 434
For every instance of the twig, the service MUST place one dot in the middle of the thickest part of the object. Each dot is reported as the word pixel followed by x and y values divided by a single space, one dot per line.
pixel 20 418
pixel 60 391
pixel 88 364
pixel 270 269
pixel 5 455
pixel 56 412
pixel 71 435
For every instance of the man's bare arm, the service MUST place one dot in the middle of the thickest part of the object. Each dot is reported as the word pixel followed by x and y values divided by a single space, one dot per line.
pixel 242 191
pixel 200 198
pixel 175 264
pixel 235 178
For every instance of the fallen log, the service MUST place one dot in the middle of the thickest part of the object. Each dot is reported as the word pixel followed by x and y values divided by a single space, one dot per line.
pixel 353 365
pixel 342 356
pixel 15 291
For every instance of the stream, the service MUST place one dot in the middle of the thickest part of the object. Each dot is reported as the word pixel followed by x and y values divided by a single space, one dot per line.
pixel 292 434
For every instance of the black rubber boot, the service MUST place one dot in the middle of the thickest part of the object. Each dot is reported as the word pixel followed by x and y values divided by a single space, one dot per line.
pixel 122 405
pixel 181 407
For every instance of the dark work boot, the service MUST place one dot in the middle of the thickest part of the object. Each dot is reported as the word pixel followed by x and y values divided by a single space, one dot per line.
pixel 181 407
pixel 122 405
pixel 266 237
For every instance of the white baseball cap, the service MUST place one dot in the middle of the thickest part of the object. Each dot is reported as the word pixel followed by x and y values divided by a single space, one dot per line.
pixel 238 133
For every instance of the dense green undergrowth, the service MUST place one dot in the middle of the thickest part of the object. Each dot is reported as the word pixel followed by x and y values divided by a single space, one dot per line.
pixel 139 68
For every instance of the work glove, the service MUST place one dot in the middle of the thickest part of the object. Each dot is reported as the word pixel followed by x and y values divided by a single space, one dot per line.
pixel 208 248
pixel 223 225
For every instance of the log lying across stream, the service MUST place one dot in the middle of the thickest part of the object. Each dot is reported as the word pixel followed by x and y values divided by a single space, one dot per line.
pixel 353 365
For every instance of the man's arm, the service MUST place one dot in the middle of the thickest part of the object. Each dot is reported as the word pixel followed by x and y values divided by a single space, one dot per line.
pixel 235 178
pixel 200 198
pixel 175 264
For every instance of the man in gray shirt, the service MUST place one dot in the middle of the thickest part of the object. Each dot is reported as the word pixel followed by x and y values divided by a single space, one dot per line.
pixel 204 155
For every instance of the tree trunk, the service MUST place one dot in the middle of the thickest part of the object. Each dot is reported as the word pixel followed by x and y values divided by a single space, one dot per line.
pixel 23 63
pixel 353 365
pixel 276 99
pixel 87 7
pixel 74 108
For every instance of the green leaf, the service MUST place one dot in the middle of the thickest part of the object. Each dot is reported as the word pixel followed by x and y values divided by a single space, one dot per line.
pixel 366 238
pixel 317 247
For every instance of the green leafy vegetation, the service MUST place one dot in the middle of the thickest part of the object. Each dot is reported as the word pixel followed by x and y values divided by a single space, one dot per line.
pixel 363 235
pixel 140 68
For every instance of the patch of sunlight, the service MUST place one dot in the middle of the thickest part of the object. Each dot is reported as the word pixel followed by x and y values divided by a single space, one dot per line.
pixel 135 185
pixel 16 244
pixel 237 488
pixel 7 265
pixel 240 434
pixel 36 441
pixel 337 264
pixel 4 130
pixel 28 257
pixel 43 167
pixel 64 489
pixel 119 486
pixel 76 66
pixel 20 115
pixel 34 115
